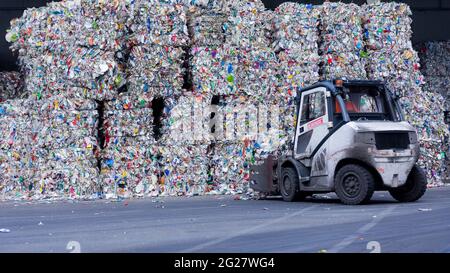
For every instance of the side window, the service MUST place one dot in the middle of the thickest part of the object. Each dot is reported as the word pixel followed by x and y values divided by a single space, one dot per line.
pixel 313 107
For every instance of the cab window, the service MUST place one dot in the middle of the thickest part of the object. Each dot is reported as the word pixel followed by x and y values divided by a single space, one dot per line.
pixel 313 107
pixel 363 103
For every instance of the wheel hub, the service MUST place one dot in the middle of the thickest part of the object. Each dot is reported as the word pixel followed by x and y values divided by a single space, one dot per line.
pixel 351 185
pixel 286 184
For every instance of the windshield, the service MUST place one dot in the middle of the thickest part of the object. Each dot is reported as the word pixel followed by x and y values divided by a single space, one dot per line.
pixel 365 103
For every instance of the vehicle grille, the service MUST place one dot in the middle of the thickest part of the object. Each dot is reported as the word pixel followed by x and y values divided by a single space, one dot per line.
pixel 389 141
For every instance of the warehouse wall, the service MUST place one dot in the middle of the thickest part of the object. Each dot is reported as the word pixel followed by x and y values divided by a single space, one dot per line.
pixel 431 21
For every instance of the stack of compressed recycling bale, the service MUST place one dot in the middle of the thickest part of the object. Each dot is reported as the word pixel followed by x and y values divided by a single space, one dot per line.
pixel 435 65
pixel 207 21
pixel 10 85
pixel 50 148
pixel 65 136
pixel 392 58
pixel 246 132
pixel 71 53
pixel 185 145
pixel 158 34
pixel 71 48
pixel 296 38
pixel 130 164
pixel 244 64
pixel 342 45
pixel 243 74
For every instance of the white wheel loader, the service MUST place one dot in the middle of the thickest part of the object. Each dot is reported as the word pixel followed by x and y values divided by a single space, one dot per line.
pixel 351 139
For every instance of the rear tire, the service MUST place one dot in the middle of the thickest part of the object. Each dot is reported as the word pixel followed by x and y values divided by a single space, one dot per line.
pixel 354 185
pixel 414 189
pixel 289 186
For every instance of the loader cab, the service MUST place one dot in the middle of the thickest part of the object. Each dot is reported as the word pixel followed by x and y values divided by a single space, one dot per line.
pixel 326 106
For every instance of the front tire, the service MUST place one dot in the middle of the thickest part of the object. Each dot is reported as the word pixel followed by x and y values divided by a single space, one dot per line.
pixel 414 189
pixel 290 186
pixel 354 185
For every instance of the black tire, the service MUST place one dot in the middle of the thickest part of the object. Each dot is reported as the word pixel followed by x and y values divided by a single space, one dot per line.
pixel 354 185
pixel 289 186
pixel 414 189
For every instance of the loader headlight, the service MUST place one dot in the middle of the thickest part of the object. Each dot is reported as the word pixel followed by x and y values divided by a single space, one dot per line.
pixel 366 138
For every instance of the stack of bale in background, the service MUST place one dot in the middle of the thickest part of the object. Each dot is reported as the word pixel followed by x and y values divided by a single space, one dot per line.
pixel 11 86
pixel 155 70
pixel 207 22
pixel 65 139
pixel 71 48
pixel 71 54
pixel 342 45
pixel 296 40
pixel 185 141
pixel 241 74
pixel 129 165
pixel 98 73
pixel 435 65
pixel 185 145
pixel 392 58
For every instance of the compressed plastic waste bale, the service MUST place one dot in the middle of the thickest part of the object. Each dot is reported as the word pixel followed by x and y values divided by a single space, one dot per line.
pixel 214 5
pixel 234 71
pixel 157 22
pixel 245 133
pixel 185 169
pixel 11 85
pixel 130 168
pixel 72 48
pixel 341 44
pixel 156 70
pixel 341 27
pixel 296 26
pixel 231 167
pixel 184 145
pixel 48 143
pixel 130 114
pixel 17 171
pixel 90 23
pixel 75 182
pixel 435 58
pixel 212 72
pixel 129 160
pixel 297 70
pixel 343 65
pixel 249 24
pixel 209 21
pixel 61 129
pixel 187 120
pixel 387 25
pixel 82 72
pixel 435 65
pixel 296 37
